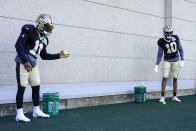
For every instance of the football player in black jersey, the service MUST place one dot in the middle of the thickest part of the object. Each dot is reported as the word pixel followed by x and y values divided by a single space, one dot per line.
pixel 32 42
pixel 171 48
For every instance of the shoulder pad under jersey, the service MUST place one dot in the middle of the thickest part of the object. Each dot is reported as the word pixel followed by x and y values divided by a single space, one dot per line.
pixel 159 41
pixel 176 37
pixel 29 28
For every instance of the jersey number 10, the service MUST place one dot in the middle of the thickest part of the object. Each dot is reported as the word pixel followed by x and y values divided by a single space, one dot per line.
pixel 171 48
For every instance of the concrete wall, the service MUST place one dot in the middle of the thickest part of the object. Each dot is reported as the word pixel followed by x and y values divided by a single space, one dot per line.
pixel 109 41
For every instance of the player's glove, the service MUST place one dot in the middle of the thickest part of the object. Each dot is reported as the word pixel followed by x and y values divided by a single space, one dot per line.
pixel 181 64
pixel 156 68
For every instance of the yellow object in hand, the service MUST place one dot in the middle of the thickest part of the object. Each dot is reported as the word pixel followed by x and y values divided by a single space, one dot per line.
pixel 65 52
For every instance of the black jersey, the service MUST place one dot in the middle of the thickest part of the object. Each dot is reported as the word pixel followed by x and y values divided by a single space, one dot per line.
pixel 30 45
pixel 170 47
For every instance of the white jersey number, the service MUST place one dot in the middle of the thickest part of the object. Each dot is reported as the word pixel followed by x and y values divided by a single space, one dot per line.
pixel 37 49
pixel 171 48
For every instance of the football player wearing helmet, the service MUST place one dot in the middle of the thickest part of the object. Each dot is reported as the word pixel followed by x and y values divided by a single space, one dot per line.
pixel 32 43
pixel 170 46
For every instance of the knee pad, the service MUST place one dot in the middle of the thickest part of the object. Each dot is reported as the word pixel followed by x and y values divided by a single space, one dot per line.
pixel 23 80
pixel 22 75
pixel 35 82
pixel 175 69
pixel 34 77
pixel 166 69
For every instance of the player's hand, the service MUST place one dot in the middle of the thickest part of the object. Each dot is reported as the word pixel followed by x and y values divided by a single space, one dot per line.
pixel 156 68
pixel 28 66
pixel 63 54
pixel 181 64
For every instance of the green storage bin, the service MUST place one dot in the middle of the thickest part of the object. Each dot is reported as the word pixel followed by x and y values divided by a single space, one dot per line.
pixel 51 103
pixel 140 94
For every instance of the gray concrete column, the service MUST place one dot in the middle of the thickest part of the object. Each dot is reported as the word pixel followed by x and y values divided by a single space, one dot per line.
pixel 168 12
pixel 168 21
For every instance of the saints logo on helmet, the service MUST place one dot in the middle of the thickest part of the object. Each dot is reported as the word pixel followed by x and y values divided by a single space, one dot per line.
pixel 45 24
pixel 168 32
